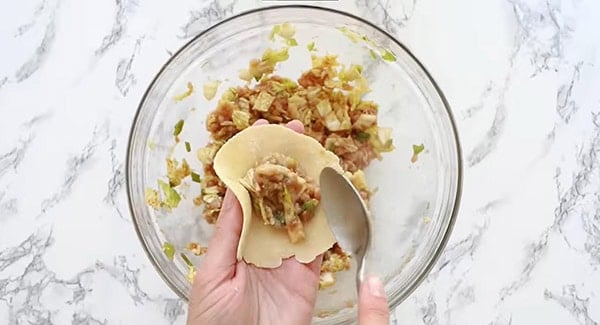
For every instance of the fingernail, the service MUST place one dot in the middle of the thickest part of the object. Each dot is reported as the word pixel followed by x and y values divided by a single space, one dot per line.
pixel 375 287
pixel 260 122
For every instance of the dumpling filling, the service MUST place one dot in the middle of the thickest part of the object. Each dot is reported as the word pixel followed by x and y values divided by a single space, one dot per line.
pixel 282 195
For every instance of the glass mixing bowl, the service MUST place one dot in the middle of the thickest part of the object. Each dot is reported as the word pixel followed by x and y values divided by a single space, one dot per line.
pixel 415 203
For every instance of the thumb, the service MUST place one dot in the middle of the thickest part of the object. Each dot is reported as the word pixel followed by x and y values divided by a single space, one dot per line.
pixel 221 257
pixel 372 303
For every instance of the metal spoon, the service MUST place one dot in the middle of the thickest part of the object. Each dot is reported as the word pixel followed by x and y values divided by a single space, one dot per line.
pixel 348 217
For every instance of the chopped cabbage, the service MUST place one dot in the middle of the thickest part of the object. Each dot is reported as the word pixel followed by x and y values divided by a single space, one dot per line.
pixel 285 31
pixel 285 85
pixel 241 119
pixel 229 95
pixel 288 205
pixel 263 101
pixel 361 88
pixel 245 75
pixel 210 89
pixel 206 154
pixel 211 190
pixel 353 36
pixel 152 198
pixel 189 92
pixel 273 57
pixel 365 121
pixel 359 180
pixel 381 139
pixel 177 173
pixel 332 123
pixel 296 105
pixel 258 68
pixel 354 72
pixel 326 280
pixel 324 108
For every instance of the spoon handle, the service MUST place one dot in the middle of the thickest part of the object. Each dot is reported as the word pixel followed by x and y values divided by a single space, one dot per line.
pixel 360 274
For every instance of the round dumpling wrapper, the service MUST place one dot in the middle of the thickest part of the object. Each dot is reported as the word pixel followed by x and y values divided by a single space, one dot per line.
pixel 260 244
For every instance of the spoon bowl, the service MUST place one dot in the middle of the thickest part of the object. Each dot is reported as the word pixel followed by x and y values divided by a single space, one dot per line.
pixel 348 217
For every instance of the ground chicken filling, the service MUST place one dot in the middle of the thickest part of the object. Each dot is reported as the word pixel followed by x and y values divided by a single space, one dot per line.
pixel 282 195
pixel 334 260
pixel 327 99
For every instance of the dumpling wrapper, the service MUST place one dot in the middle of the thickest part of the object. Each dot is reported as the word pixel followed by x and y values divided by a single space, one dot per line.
pixel 260 244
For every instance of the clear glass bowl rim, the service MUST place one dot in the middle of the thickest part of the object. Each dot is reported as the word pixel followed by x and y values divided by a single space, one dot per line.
pixel 396 297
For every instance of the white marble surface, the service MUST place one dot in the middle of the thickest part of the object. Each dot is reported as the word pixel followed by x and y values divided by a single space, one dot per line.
pixel 523 78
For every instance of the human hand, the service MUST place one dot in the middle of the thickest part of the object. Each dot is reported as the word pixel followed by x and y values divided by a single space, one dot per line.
pixel 372 303
pixel 228 291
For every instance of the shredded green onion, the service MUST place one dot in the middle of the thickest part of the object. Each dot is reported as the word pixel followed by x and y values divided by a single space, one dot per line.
pixel 388 56
pixel 172 198
pixel 363 136
pixel 196 177
pixel 310 205
pixel 169 250
pixel 373 55
pixel 186 260
pixel 417 149
pixel 178 127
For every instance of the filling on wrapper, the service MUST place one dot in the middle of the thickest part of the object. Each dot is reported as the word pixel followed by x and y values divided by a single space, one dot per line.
pixel 263 244
pixel 282 195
